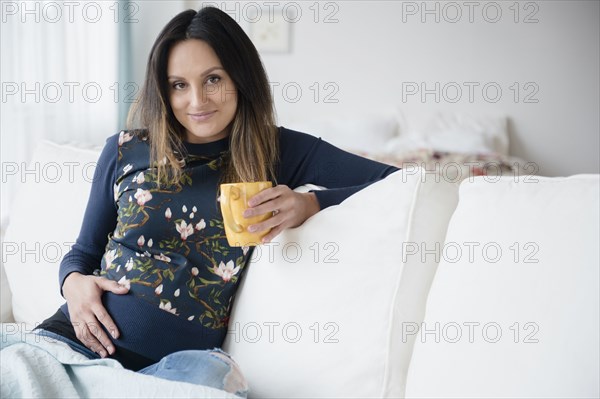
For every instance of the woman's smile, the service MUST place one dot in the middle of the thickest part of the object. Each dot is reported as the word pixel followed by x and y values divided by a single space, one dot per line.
pixel 201 116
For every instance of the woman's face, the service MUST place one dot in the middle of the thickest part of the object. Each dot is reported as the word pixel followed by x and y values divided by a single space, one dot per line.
pixel 202 95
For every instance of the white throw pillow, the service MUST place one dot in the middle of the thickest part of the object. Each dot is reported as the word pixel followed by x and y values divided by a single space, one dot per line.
pixel 44 222
pixel 6 315
pixel 519 316
pixel 320 309
pixel 365 134
pixel 450 132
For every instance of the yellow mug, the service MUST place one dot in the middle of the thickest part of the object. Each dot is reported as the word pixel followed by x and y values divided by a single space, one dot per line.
pixel 234 201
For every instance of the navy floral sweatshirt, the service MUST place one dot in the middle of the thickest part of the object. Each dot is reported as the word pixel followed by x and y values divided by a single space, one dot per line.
pixel 168 243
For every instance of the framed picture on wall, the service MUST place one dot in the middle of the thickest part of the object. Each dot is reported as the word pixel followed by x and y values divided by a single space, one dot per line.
pixel 271 33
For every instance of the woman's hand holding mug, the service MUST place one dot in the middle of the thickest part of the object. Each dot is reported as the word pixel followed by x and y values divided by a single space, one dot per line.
pixel 256 212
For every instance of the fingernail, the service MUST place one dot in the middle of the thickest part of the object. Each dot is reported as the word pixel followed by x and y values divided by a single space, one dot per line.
pixel 246 213
pixel 102 354
pixel 114 334
pixel 109 348
pixel 252 228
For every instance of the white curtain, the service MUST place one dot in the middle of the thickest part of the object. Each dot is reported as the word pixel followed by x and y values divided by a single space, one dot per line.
pixel 59 72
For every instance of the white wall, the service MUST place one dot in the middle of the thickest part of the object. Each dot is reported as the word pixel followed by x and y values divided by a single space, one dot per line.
pixel 376 49
pixel 152 16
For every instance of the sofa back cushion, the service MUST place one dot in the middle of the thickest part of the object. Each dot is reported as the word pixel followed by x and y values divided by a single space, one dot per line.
pixel 45 219
pixel 321 308
pixel 513 310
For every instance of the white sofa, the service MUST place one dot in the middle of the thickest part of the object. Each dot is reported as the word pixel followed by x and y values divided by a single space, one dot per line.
pixel 413 287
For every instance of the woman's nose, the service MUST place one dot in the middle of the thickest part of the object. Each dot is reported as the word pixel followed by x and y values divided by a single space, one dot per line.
pixel 199 96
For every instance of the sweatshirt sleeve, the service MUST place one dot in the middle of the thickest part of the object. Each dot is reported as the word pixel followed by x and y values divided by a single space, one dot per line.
pixel 308 159
pixel 99 220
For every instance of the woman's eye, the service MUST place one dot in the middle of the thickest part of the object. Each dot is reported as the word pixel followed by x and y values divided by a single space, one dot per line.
pixel 178 85
pixel 213 79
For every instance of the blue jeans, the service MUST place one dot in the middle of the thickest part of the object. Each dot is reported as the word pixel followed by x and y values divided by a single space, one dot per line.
pixel 213 368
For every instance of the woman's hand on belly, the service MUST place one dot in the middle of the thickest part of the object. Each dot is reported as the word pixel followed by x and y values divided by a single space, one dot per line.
pixel 83 294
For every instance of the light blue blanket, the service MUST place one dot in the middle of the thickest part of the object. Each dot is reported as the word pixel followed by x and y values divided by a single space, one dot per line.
pixel 32 366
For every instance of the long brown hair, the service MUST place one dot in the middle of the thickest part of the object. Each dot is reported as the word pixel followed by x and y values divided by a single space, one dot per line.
pixel 253 137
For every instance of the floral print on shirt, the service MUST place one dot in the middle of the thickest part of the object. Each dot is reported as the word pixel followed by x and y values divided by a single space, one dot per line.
pixel 169 245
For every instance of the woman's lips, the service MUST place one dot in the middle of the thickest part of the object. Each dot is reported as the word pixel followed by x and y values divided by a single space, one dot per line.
pixel 202 116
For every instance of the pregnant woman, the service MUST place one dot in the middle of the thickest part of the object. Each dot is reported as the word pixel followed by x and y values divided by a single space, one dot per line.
pixel 151 279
